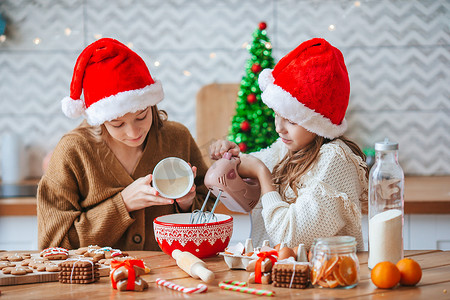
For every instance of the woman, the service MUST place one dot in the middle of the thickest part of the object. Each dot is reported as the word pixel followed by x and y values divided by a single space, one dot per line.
pixel 97 188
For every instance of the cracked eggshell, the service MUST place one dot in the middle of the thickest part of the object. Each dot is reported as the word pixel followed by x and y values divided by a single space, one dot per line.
pixel 239 262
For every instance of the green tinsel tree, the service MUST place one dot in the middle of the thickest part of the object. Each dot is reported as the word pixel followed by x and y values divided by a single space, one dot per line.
pixel 252 126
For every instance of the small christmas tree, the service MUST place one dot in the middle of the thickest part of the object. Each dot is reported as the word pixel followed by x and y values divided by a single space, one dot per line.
pixel 252 126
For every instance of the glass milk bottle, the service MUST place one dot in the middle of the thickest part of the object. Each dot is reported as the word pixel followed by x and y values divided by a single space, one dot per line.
pixel 386 183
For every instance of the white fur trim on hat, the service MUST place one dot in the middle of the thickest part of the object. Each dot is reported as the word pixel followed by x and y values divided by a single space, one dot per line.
pixel 72 108
pixel 290 108
pixel 115 106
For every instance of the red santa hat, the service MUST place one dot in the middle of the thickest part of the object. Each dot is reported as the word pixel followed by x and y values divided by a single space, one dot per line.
pixel 310 87
pixel 114 80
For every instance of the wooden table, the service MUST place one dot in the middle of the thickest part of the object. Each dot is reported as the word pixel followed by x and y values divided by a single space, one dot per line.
pixel 435 283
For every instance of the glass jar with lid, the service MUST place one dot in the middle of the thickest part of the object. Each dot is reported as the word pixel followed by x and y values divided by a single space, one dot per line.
pixel 386 185
pixel 334 262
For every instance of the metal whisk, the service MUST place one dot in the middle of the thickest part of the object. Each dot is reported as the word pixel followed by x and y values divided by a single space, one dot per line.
pixel 199 216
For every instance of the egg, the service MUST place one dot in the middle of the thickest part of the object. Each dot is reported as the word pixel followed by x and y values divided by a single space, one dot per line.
pixel 277 247
pixel 286 252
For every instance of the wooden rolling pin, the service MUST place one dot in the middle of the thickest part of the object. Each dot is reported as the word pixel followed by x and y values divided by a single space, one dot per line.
pixel 193 265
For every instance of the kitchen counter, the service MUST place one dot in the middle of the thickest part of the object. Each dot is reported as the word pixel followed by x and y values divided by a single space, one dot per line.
pixel 435 283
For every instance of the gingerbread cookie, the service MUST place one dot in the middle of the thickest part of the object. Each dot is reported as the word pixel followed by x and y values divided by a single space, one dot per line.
pixel 4 257
pixel 139 285
pixel 83 250
pixel 6 264
pixel 52 268
pixel 79 271
pixel 121 273
pixel 37 261
pixel 55 253
pixel 295 275
pixel 266 278
pixel 41 267
pixel 17 270
pixel 26 262
pixel 103 253
pixel 15 257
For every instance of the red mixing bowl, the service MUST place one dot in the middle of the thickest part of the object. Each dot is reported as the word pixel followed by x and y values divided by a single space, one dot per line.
pixel 203 240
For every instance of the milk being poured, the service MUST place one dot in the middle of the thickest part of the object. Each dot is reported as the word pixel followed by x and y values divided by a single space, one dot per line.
pixel 386 237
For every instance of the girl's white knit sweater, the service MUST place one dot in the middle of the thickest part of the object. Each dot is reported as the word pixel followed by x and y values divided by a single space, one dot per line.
pixel 328 202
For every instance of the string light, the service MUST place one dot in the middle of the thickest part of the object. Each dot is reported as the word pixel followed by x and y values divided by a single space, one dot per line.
pixel 130 45
pixel 67 31
pixel 37 41
pixel 244 45
pixel 98 36
pixel 268 45
pixel 332 27
pixel 357 3
pixel 156 63
pixel 2 38
pixel 187 73
pixel 212 55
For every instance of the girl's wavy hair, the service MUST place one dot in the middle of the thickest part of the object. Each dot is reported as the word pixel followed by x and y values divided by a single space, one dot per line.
pixel 295 164
pixel 97 132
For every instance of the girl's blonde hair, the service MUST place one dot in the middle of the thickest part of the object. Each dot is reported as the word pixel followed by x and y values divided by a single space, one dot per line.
pixel 290 169
pixel 97 132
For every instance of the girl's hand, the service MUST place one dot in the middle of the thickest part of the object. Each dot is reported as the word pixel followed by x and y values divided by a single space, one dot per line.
pixel 140 194
pixel 218 148
pixel 185 202
pixel 252 167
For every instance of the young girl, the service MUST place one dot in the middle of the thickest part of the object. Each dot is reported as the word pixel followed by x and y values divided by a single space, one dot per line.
pixel 97 187
pixel 313 180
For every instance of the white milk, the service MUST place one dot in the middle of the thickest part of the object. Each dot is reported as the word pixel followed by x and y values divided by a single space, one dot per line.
pixel 385 237
pixel 173 187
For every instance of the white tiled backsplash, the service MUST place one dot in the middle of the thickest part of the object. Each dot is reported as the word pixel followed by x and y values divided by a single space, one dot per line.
pixel 397 53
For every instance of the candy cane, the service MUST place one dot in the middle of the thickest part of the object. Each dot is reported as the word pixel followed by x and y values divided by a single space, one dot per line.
pixel 201 288
pixel 239 287
pixel 235 282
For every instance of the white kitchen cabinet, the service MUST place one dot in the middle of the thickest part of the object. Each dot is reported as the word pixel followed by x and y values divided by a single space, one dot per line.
pixel 18 233
pixel 421 232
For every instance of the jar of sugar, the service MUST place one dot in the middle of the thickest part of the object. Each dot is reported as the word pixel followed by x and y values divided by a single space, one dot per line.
pixel 386 185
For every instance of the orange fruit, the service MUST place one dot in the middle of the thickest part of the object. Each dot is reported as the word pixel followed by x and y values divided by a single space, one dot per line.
pixel 348 270
pixel 330 265
pixel 318 269
pixel 331 281
pixel 323 283
pixel 410 271
pixel 385 275
pixel 338 276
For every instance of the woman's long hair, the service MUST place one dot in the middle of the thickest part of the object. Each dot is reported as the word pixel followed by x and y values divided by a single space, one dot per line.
pixel 294 165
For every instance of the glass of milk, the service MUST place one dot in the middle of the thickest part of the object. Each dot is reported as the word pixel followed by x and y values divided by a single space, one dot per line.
pixel 386 185
pixel 173 177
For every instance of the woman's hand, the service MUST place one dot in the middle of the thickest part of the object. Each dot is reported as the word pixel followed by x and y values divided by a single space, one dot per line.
pixel 219 147
pixel 140 194
pixel 252 167
pixel 185 202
